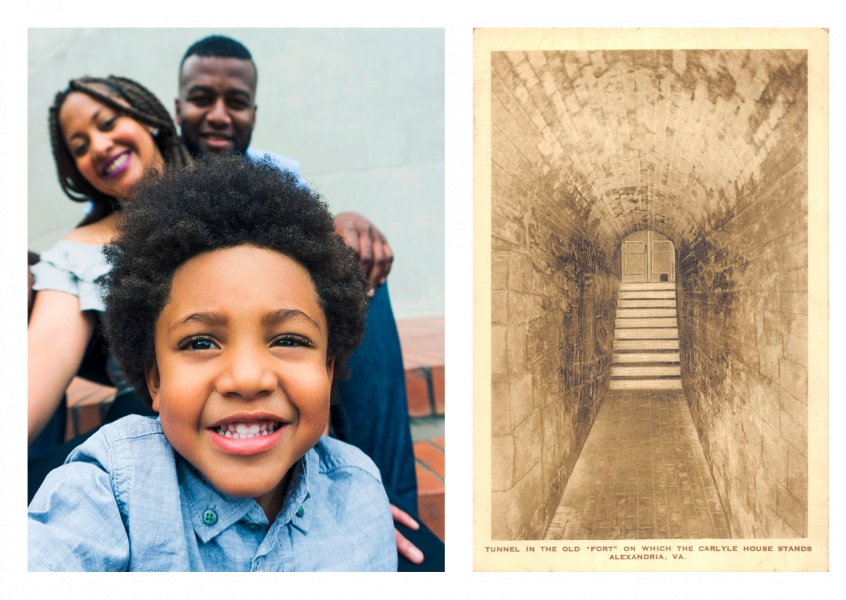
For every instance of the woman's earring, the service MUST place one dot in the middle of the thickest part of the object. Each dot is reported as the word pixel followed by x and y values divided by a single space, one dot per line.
pixel 155 132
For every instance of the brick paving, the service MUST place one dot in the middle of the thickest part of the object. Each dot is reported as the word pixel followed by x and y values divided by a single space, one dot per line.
pixel 641 474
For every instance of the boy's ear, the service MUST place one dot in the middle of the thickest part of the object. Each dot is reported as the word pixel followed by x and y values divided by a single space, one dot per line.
pixel 330 367
pixel 151 375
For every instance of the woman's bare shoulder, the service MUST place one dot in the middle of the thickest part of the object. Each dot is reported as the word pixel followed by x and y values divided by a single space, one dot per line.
pixel 97 233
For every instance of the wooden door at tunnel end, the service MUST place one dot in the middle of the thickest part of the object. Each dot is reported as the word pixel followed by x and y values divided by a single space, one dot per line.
pixel 646 334
pixel 648 257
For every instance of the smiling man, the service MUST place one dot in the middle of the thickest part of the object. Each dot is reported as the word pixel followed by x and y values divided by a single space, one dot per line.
pixel 216 105
pixel 216 112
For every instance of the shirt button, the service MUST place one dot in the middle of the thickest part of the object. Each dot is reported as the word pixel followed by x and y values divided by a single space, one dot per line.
pixel 209 517
pixel 300 511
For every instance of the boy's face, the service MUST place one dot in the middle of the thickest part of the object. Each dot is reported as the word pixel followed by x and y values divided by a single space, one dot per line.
pixel 242 379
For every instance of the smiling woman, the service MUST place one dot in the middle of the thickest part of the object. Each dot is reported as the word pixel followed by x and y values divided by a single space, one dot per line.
pixel 105 134
pixel 111 150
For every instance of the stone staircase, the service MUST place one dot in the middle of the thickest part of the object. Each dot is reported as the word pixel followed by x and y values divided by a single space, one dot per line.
pixel 646 338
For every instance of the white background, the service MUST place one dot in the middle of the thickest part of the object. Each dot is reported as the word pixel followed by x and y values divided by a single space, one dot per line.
pixel 459 20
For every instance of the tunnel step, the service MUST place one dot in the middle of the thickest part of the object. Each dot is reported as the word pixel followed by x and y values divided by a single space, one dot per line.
pixel 647 295
pixel 647 334
pixel 655 322
pixel 646 303
pixel 663 285
pixel 645 371
pixel 640 313
pixel 646 357
pixel 645 344
pixel 646 323
pixel 646 384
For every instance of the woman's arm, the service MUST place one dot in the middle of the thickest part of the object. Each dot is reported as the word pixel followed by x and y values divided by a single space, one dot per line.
pixel 58 335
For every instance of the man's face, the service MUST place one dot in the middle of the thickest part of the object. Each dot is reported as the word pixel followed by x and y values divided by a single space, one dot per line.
pixel 216 108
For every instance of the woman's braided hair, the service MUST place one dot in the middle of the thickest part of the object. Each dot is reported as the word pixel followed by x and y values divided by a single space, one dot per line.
pixel 144 107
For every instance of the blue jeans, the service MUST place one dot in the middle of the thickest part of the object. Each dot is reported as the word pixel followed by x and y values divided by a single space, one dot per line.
pixel 372 410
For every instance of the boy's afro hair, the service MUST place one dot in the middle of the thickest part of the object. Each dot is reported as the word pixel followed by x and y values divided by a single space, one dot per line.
pixel 221 202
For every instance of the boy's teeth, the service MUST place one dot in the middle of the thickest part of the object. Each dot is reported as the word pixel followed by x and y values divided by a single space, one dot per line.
pixel 247 430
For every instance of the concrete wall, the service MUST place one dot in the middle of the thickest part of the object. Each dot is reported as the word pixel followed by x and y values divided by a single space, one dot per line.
pixel 552 306
pixel 361 109
pixel 709 148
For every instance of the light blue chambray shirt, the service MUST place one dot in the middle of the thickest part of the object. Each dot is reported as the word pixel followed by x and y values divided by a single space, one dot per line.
pixel 283 163
pixel 125 501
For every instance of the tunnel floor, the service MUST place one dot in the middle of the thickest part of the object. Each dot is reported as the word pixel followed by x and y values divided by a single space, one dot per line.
pixel 641 474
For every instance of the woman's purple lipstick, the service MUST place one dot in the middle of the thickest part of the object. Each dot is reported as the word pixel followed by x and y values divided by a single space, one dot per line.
pixel 117 165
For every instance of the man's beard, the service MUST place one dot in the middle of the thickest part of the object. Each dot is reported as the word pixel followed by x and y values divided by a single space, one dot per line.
pixel 195 147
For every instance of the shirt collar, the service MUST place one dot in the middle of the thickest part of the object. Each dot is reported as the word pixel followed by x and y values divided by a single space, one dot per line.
pixel 211 512
pixel 295 509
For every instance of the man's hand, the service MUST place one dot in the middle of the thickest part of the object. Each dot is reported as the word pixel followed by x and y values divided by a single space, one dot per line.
pixel 371 247
pixel 404 547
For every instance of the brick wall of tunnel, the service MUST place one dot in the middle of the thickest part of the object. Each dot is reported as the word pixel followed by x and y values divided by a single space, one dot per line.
pixel 553 291
pixel 744 327
pixel 708 148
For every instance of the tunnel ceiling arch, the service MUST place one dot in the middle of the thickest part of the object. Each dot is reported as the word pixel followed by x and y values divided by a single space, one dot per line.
pixel 665 140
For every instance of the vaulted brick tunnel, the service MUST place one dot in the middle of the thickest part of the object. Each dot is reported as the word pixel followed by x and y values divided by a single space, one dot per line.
pixel 708 148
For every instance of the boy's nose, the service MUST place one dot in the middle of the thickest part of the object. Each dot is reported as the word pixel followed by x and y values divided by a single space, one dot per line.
pixel 246 375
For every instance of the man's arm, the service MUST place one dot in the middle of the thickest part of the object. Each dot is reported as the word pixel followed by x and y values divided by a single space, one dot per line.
pixel 371 247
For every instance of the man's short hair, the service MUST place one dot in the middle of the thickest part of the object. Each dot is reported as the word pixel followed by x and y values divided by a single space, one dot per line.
pixel 218 46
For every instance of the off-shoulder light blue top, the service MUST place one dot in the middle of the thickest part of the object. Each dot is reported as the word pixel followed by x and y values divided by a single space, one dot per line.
pixel 73 267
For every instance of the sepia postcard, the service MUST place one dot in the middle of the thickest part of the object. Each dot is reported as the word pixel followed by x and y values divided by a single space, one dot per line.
pixel 651 300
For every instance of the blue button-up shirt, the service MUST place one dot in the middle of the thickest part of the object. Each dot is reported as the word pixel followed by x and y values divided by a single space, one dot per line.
pixel 124 500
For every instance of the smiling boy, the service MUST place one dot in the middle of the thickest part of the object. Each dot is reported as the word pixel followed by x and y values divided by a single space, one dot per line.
pixel 241 381
pixel 233 331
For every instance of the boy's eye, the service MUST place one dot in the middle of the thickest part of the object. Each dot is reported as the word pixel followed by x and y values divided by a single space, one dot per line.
pixel 290 340
pixel 197 343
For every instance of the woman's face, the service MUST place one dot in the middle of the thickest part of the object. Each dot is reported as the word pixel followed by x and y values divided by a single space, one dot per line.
pixel 111 150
